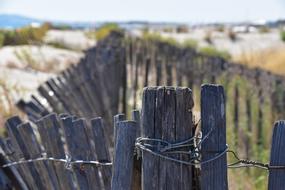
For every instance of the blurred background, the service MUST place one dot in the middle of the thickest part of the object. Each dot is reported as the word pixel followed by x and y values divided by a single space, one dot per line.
pixel 39 39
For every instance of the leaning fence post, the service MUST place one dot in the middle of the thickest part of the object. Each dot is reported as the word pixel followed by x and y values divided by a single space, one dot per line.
pixel 124 151
pixel 277 157
pixel 137 161
pixel 213 118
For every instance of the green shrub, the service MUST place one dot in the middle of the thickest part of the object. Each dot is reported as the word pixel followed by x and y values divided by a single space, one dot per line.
pixel 282 35
pixel 264 29
pixel 105 30
pixel 232 35
pixel 208 38
pixel 24 35
pixel 211 51
pixel 220 28
pixel 151 36
pixel 1 39
pixel 190 43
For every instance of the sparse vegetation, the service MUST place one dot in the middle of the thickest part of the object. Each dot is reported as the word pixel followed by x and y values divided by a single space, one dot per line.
pixel 190 43
pixel 232 35
pixel 26 35
pixel 282 35
pixel 220 28
pixel 105 30
pixel 8 109
pixel 264 29
pixel 208 37
pixel 182 29
pixel 270 59
pixel 211 51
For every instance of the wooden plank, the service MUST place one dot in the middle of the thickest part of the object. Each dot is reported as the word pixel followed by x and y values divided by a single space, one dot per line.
pixel 48 128
pixel 12 172
pixel 167 127
pixel 158 71
pixel 184 128
pixel 236 116
pixel 135 84
pixel 69 131
pixel 102 152
pixel 137 161
pixel 213 117
pixel 137 117
pixel 34 151
pixel 28 170
pixel 150 164
pixel 83 151
pixel 277 157
pixel 117 118
pixel 79 149
pixel 124 150
pixel 249 126
pixel 146 74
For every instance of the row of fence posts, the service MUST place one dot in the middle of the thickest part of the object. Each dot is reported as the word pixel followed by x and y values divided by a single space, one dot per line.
pixel 85 90
pixel 166 116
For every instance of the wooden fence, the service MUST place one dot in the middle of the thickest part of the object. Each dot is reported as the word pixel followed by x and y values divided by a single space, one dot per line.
pixel 162 149
pixel 109 79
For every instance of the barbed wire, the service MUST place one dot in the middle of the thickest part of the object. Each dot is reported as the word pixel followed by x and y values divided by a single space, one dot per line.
pixel 163 149
pixel 68 162
pixel 187 152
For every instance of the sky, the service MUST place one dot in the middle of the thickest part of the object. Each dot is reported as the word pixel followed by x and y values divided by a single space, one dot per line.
pixel 190 11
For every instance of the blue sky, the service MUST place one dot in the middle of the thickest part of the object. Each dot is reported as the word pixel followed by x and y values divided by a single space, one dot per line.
pixel 191 11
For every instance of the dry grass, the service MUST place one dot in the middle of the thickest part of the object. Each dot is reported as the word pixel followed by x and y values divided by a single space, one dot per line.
pixel 7 107
pixel 270 59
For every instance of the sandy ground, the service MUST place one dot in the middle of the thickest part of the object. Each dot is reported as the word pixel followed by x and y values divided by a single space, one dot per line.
pixel 27 72
pixel 76 40
pixel 246 42
pixel 24 68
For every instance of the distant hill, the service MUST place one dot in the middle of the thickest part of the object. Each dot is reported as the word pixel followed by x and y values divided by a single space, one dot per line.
pixel 13 21
pixel 9 21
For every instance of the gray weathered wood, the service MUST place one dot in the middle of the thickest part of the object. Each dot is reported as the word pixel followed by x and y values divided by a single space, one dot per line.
pixel 101 148
pixel 213 117
pixel 28 170
pixel 123 163
pixel 34 151
pixel 137 161
pixel 277 157
pixel 150 164
pixel 184 128
pixel 48 128
pixel 117 118
pixel 83 151
pixel 167 127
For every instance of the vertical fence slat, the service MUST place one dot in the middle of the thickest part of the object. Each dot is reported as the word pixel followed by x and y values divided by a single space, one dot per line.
pixel 150 163
pixel 28 170
pixel 102 151
pixel 137 161
pixel 167 127
pixel 213 117
pixel 83 151
pixel 34 152
pixel 184 128
pixel 123 163
pixel 277 157
pixel 48 128
pixel 117 118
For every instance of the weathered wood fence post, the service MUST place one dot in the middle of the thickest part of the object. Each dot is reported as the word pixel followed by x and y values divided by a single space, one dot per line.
pixel 124 151
pixel 166 115
pixel 213 124
pixel 277 158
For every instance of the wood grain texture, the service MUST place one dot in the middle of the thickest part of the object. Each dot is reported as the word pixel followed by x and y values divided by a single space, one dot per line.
pixel 124 150
pixel 277 157
pixel 213 116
